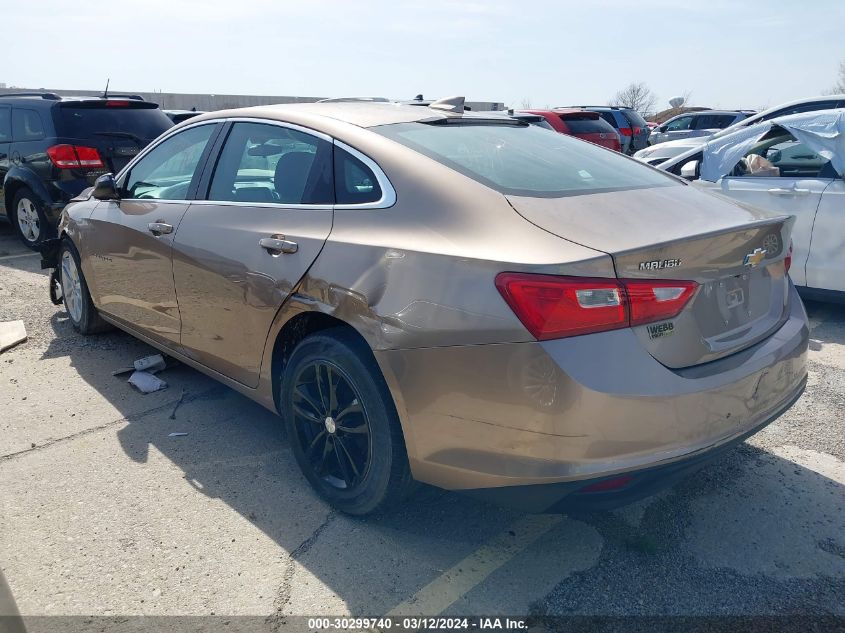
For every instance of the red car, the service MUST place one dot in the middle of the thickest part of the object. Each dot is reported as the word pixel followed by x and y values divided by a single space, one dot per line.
pixel 584 124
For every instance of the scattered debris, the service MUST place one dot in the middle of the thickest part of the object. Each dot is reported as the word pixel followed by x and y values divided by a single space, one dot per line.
pixel 146 382
pixel 150 364
pixel 177 435
pixel 11 333
pixel 178 404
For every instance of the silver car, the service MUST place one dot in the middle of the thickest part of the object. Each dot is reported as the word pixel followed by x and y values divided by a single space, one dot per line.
pixel 692 124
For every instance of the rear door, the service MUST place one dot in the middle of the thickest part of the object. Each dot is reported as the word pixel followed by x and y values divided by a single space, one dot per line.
pixel 117 128
pixel 127 243
pixel 242 249
pixel 826 262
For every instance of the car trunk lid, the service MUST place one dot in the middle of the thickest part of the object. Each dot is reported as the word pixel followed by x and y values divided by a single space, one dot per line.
pixel 736 255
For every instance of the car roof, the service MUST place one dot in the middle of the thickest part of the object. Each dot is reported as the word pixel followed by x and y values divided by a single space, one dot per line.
pixel 752 120
pixel 361 114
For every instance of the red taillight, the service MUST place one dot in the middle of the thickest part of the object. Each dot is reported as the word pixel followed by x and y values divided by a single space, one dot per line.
pixel 625 131
pixel 74 156
pixel 111 103
pixel 556 307
pixel 787 261
pixel 657 300
pixel 637 130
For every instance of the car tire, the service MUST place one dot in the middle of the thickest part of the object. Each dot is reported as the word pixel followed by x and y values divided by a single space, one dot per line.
pixel 80 309
pixel 342 424
pixel 28 218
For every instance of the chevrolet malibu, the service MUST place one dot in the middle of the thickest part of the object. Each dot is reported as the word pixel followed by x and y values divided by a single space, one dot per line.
pixel 427 294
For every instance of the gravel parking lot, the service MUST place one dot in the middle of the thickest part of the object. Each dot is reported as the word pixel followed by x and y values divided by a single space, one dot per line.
pixel 102 512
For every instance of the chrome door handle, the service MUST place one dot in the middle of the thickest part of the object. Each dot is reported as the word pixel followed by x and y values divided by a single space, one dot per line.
pixel 277 245
pixel 160 228
pixel 779 191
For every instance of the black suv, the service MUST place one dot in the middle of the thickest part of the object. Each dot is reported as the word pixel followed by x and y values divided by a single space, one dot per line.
pixel 52 148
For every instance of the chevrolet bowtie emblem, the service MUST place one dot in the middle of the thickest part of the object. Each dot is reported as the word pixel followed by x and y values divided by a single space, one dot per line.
pixel 753 259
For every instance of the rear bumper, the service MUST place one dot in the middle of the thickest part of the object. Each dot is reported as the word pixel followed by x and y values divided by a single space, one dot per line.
pixel 571 411
pixel 632 486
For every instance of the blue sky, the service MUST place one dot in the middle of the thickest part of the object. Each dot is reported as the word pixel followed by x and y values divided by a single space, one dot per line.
pixel 728 53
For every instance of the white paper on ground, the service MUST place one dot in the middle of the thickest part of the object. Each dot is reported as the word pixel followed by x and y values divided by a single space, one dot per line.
pixel 146 382
pixel 150 364
pixel 11 333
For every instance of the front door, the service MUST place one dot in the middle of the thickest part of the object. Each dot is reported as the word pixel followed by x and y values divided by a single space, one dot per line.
pixel 130 240
pixel 826 263
pixel 5 145
pixel 238 254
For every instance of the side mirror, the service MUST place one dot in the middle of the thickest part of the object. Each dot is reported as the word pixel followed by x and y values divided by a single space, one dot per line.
pixel 689 170
pixel 104 188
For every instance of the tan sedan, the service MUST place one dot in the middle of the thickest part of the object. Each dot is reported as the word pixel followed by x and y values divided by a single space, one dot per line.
pixel 448 297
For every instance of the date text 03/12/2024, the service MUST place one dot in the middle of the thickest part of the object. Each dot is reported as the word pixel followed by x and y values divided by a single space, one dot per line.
pixel 417 623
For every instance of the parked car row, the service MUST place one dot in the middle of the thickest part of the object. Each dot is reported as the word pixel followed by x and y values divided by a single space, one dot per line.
pixel 692 124
pixel 52 148
pixel 657 154
pixel 343 265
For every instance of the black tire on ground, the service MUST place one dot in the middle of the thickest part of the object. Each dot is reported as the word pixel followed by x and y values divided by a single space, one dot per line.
pixel 88 320
pixel 31 225
pixel 366 420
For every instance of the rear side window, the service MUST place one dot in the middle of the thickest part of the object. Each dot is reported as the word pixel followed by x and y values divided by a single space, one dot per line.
pixel 140 123
pixel 5 124
pixel 713 121
pixel 635 118
pixel 272 164
pixel 611 120
pixel 26 125
pixel 581 125
pixel 354 182
pixel 522 160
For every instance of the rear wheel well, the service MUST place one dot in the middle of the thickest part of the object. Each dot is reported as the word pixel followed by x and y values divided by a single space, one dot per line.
pixel 296 329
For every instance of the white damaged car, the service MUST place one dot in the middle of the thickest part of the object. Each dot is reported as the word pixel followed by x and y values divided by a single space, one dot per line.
pixel 792 164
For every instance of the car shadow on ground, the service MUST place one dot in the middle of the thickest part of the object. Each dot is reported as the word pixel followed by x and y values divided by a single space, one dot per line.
pixel 236 452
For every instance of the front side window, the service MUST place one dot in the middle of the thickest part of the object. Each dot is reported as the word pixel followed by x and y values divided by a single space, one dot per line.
pixel 166 172
pixel 273 164
pixel 780 155
pixel 26 125
pixel 681 123
pixel 522 160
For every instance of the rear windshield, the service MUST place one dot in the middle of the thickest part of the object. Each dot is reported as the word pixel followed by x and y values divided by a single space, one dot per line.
pixel 523 160
pixel 588 126
pixel 91 121
pixel 635 118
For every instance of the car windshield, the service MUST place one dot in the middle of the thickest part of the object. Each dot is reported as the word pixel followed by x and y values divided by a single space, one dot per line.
pixel 525 160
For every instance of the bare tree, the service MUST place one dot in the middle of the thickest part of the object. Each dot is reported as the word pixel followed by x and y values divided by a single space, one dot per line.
pixel 839 86
pixel 637 96
pixel 525 104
